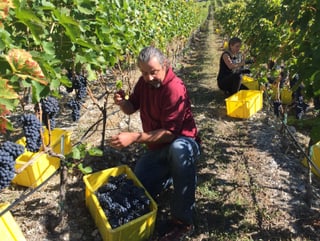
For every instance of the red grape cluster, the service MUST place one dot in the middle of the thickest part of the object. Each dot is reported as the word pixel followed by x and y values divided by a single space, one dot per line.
pixel 50 109
pixel 9 151
pixel 79 84
pixel 122 201
pixel 32 128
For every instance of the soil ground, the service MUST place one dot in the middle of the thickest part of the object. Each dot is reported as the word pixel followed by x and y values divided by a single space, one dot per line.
pixel 251 183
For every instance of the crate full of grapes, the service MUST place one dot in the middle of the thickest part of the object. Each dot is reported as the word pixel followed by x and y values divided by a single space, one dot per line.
pixel 9 229
pixel 36 167
pixel 244 103
pixel 120 206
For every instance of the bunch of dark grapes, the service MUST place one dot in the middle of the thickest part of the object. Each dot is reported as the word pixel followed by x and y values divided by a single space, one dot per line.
pixel 249 61
pixel 9 151
pixel 122 201
pixel 277 107
pixel 75 106
pixel 12 148
pixel 31 128
pixel 301 107
pixel 50 109
pixel 79 84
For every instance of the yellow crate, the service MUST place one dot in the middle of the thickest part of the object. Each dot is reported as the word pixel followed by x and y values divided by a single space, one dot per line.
pixel 43 165
pixel 37 172
pixel 250 82
pixel 225 45
pixel 244 103
pixel 286 96
pixel 135 230
pixel 247 78
pixel 9 229
pixel 315 150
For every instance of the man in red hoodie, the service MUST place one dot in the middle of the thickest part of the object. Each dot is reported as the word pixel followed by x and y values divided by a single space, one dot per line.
pixel 170 133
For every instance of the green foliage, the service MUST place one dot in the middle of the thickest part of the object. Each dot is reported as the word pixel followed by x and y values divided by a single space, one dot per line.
pixel 312 125
pixel 78 152
pixel 279 30
pixel 95 152
pixel 119 84
pixel 85 35
pixel 256 22
pixel 85 170
pixel 76 158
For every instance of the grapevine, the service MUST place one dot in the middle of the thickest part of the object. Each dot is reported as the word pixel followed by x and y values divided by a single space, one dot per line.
pixel 272 32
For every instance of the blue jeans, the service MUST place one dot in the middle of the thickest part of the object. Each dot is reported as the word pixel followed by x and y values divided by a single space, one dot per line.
pixel 175 163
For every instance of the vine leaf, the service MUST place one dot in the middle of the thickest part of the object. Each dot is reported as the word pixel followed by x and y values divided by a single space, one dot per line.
pixel 4 8
pixel 8 98
pixel 119 84
pixel 24 66
pixel 76 153
pixel 6 91
pixel 48 47
pixel 38 91
pixel 34 23
pixel 85 170
pixel 315 133
pixel 4 123
pixel 71 26
pixel 95 152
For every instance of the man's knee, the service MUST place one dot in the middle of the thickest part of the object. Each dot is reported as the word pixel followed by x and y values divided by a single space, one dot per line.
pixel 179 145
pixel 183 149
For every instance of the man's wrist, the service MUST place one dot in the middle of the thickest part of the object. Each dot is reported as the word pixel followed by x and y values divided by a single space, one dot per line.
pixel 138 137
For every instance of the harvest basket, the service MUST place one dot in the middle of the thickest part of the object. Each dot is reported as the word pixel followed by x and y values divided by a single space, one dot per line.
pixel 136 230
pixel 9 229
pixel 250 82
pixel 34 168
pixel 286 96
pixel 244 103
pixel 315 157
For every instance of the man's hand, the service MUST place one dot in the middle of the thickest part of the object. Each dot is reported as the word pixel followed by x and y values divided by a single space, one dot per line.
pixel 119 97
pixel 123 139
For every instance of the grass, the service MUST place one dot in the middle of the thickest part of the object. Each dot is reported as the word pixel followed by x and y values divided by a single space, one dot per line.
pixel 206 189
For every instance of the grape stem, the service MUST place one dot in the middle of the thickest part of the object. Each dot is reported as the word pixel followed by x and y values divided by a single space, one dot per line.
pixel 39 116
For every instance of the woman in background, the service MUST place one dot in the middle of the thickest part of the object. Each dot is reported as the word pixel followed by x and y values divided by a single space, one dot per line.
pixel 231 66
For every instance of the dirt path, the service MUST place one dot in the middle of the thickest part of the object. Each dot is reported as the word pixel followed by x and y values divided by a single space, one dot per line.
pixel 251 184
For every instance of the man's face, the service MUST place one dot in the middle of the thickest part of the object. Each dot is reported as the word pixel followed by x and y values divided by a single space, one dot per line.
pixel 153 72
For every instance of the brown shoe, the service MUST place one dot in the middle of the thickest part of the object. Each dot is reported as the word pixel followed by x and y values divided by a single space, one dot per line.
pixel 178 232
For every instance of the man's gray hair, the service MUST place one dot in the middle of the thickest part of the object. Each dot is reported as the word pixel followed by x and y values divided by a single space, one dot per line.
pixel 149 52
